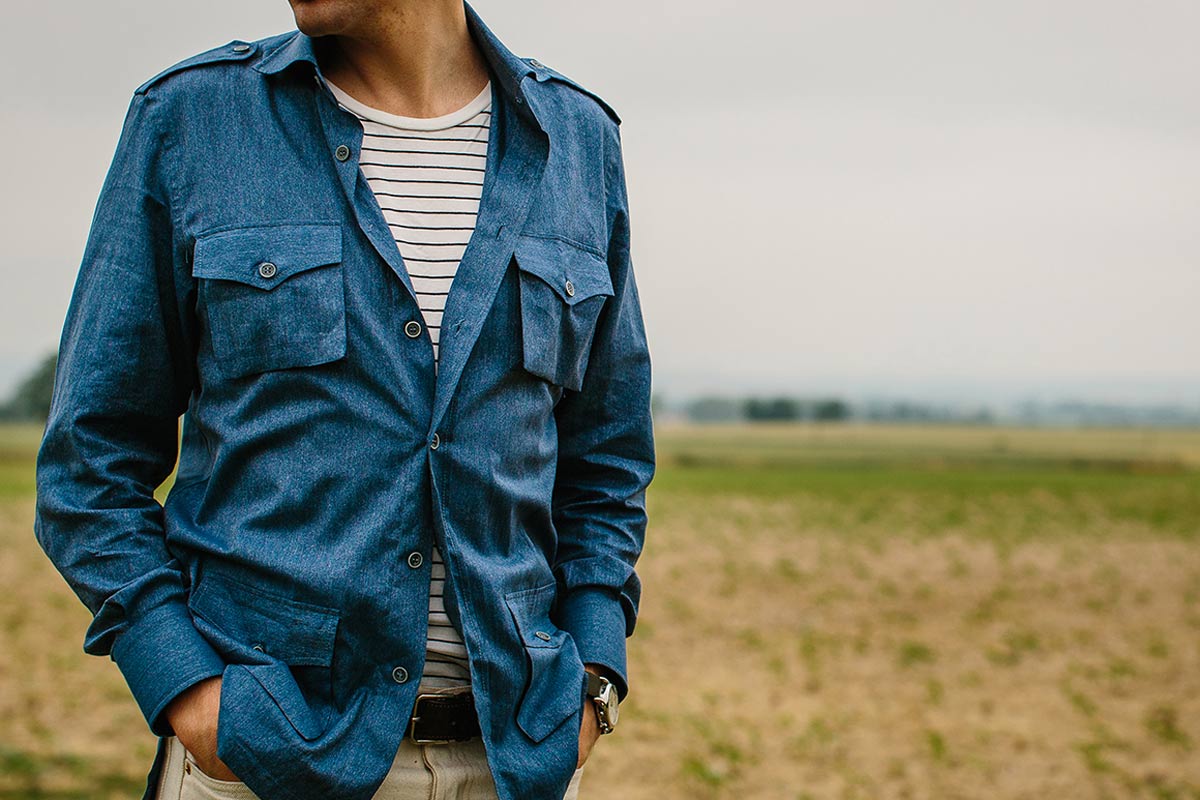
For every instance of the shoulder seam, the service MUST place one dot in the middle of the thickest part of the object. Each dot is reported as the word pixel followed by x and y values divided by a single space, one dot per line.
pixel 544 73
pixel 235 50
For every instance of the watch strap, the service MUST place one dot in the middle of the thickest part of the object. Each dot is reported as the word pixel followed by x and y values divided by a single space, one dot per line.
pixel 594 684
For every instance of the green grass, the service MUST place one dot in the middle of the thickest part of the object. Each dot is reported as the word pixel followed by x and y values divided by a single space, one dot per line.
pixel 1151 480
pixel 18 448
pixel 37 776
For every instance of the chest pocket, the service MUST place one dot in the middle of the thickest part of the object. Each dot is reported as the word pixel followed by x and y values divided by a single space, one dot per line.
pixel 563 289
pixel 272 296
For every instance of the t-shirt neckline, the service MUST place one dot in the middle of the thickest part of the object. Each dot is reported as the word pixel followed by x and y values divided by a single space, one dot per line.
pixel 456 117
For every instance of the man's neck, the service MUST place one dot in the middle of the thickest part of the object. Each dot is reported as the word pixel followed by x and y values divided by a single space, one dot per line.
pixel 412 64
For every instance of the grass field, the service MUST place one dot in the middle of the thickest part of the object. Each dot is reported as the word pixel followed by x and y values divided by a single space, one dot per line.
pixel 841 611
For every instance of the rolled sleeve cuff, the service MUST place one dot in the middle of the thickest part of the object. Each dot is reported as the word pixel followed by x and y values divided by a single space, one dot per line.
pixel 596 621
pixel 161 655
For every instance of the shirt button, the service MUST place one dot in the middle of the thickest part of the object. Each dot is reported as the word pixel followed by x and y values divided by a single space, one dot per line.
pixel 534 62
pixel 415 559
pixel 267 270
pixel 434 442
pixel 545 637
pixel 240 48
pixel 570 287
pixel 342 152
pixel 399 674
pixel 412 329
pixel 520 100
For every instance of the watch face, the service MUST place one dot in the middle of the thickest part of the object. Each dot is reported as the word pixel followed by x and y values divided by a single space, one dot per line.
pixel 612 706
pixel 608 699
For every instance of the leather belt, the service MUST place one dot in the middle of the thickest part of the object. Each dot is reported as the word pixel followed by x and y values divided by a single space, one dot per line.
pixel 441 718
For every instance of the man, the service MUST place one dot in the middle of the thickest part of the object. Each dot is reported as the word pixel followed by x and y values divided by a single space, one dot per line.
pixel 274 617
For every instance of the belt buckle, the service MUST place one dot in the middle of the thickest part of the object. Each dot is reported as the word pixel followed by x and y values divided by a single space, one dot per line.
pixel 412 723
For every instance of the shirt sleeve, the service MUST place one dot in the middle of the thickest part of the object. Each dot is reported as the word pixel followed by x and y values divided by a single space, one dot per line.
pixel 124 377
pixel 606 460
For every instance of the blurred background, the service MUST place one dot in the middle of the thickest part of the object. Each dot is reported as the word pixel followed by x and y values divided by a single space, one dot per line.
pixel 920 285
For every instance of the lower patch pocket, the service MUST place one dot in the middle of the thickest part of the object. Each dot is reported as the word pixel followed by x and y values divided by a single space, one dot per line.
pixel 285 644
pixel 553 689
pixel 563 290
pixel 272 296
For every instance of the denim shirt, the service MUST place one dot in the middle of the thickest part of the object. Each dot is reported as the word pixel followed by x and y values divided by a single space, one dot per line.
pixel 239 273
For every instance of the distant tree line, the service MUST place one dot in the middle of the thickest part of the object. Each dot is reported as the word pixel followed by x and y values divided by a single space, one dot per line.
pixel 785 408
pixel 30 401
pixel 766 409
pixel 782 409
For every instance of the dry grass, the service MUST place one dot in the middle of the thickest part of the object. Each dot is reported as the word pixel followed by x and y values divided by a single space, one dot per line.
pixel 908 666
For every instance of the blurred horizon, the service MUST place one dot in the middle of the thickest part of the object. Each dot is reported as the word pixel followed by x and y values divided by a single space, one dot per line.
pixel 705 398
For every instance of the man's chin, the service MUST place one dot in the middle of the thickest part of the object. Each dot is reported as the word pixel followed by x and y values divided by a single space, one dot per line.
pixel 319 17
pixel 315 28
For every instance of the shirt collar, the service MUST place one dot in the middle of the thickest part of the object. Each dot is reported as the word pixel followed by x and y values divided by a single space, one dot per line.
pixel 507 69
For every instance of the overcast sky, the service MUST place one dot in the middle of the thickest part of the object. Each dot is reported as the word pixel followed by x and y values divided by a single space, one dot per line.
pixel 911 197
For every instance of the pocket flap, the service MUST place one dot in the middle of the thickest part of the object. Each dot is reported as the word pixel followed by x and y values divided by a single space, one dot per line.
pixel 265 256
pixel 554 692
pixel 574 273
pixel 530 609
pixel 295 632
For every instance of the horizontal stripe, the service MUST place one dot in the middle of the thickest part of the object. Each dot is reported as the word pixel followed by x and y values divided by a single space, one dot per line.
pixel 419 197
pixel 433 181
pixel 412 167
pixel 380 135
pixel 438 211
pixel 456 154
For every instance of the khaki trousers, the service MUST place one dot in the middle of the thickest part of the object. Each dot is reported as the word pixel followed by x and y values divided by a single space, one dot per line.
pixel 453 771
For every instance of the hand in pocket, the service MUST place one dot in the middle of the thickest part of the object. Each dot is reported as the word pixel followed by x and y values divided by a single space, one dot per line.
pixel 193 715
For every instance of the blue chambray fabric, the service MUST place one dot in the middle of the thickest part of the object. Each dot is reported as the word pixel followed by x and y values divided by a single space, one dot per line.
pixel 239 273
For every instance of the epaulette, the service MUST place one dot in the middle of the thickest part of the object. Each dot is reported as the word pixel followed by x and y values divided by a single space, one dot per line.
pixel 236 50
pixel 546 73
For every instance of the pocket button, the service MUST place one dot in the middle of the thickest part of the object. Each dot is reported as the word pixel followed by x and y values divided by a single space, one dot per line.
pixel 570 287
pixel 267 270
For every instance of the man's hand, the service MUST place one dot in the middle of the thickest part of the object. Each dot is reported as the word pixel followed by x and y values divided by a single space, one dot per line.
pixel 589 726
pixel 193 715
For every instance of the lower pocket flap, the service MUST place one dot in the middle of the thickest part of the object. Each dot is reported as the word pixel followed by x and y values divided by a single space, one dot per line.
pixel 276 678
pixel 553 689
pixel 286 629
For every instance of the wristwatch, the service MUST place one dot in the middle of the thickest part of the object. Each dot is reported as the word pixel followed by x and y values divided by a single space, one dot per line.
pixel 604 695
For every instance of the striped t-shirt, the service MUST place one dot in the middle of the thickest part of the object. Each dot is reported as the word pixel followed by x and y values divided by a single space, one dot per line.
pixel 427 174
